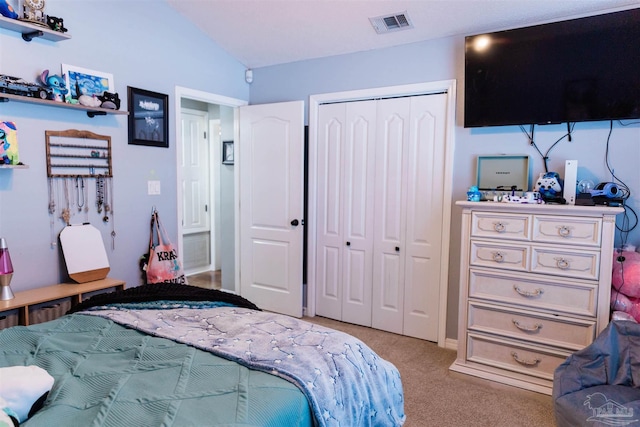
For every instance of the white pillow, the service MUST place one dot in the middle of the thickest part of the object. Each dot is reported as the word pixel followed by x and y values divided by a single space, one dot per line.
pixel 22 386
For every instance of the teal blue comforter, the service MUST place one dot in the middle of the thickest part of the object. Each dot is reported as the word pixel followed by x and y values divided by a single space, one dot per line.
pixel 109 375
pixel 346 383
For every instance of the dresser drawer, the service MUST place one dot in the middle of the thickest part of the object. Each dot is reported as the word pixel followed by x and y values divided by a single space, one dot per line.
pixel 568 263
pixel 501 256
pixel 567 230
pixel 534 360
pixel 566 332
pixel 527 290
pixel 502 226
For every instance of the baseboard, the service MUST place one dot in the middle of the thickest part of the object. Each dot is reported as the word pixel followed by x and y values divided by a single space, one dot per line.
pixel 451 344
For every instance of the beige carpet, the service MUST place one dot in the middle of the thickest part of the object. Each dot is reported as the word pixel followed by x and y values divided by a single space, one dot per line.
pixel 435 396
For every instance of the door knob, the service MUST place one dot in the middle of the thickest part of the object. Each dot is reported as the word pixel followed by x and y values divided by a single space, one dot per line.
pixel 295 222
pixel 397 249
pixel 348 243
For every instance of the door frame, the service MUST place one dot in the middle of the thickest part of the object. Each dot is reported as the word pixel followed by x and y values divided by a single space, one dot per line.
pixel 209 98
pixel 446 86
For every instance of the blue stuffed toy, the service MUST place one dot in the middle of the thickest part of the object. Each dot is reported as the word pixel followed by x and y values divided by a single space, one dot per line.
pixel 56 85
pixel 6 10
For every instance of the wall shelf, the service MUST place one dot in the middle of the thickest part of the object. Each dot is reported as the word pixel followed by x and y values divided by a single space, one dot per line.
pixel 30 31
pixel 91 111
pixel 23 308
pixel 2 166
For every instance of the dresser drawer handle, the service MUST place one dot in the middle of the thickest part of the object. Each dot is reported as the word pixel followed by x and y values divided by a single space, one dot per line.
pixel 534 328
pixel 524 362
pixel 564 231
pixel 499 227
pixel 498 257
pixel 562 263
pixel 528 294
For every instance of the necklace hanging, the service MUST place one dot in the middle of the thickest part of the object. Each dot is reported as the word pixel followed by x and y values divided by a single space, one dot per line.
pixel 66 212
pixel 85 191
pixel 80 192
pixel 100 193
pixel 72 196
pixel 52 211
pixel 105 195
pixel 113 222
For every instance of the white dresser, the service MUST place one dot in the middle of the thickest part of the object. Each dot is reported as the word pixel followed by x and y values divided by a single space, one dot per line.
pixel 535 283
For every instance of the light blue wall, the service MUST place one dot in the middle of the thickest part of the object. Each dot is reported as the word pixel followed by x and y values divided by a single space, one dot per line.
pixel 144 44
pixel 441 60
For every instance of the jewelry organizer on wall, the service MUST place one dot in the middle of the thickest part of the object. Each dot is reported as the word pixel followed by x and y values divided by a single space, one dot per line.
pixel 75 158
pixel 78 153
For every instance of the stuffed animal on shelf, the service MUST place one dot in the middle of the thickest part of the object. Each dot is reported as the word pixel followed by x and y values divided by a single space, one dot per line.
pixel 110 100
pixel 625 283
pixel 56 24
pixel 89 100
pixel 56 84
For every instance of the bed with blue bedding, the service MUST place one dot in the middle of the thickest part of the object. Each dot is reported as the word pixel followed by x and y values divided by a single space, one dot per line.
pixel 176 355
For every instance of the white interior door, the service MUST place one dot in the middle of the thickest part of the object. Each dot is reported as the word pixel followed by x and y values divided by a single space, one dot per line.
pixel 390 221
pixel 407 244
pixel 426 176
pixel 346 158
pixel 195 172
pixel 270 155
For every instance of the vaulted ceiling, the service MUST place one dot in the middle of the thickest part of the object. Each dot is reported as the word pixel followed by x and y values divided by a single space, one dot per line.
pixel 266 32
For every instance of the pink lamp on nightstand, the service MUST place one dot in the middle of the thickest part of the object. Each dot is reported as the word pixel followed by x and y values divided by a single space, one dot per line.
pixel 6 271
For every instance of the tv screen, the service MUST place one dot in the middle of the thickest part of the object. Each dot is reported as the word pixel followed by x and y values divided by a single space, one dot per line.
pixel 578 70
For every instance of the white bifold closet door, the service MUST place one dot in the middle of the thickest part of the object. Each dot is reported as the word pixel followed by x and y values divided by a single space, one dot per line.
pixel 346 160
pixel 380 195
pixel 408 215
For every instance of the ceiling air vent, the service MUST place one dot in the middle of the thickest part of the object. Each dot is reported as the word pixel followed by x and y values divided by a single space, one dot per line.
pixel 388 23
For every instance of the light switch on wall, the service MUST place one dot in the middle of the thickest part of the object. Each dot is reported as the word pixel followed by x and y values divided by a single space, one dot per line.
pixel 153 188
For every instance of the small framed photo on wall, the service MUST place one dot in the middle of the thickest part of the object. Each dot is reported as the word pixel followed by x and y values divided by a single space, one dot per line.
pixel 148 118
pixel 227 152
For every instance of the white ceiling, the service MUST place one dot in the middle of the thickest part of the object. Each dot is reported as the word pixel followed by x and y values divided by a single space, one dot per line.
pixel 267 32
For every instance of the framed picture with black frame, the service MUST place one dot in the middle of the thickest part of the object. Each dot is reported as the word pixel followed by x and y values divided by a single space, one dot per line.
pixel 227 152
pixel 148 118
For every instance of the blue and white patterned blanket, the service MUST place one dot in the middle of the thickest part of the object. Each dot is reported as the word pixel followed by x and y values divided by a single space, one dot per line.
pixel 346 383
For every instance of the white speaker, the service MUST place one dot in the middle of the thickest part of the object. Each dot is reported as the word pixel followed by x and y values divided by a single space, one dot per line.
pixel 570 181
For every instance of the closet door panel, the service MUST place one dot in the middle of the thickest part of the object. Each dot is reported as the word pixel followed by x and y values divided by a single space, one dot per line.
pixel 425 188
pixel 388 308
pixel 358 196
pixel 329 215
pixel 356 306
pixel 389 254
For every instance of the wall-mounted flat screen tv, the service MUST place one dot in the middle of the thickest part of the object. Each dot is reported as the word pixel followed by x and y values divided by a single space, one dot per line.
pixel 577 70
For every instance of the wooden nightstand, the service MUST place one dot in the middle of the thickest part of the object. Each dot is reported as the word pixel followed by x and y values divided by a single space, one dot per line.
pixel 47 303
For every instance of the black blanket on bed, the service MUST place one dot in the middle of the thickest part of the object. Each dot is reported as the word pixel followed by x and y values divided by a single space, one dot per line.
pixel 163 292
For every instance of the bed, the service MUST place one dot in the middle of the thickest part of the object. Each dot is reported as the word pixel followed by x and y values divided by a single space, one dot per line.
pixel 177 355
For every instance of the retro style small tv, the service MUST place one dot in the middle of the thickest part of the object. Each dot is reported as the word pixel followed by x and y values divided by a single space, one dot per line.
pixel 577 70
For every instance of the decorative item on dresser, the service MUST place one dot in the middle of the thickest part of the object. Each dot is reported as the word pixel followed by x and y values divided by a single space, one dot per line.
pixel 535 283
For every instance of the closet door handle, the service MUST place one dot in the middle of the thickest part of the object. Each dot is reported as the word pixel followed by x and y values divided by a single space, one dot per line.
pixel 397 249
pixel 348 243
pixel 295 222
